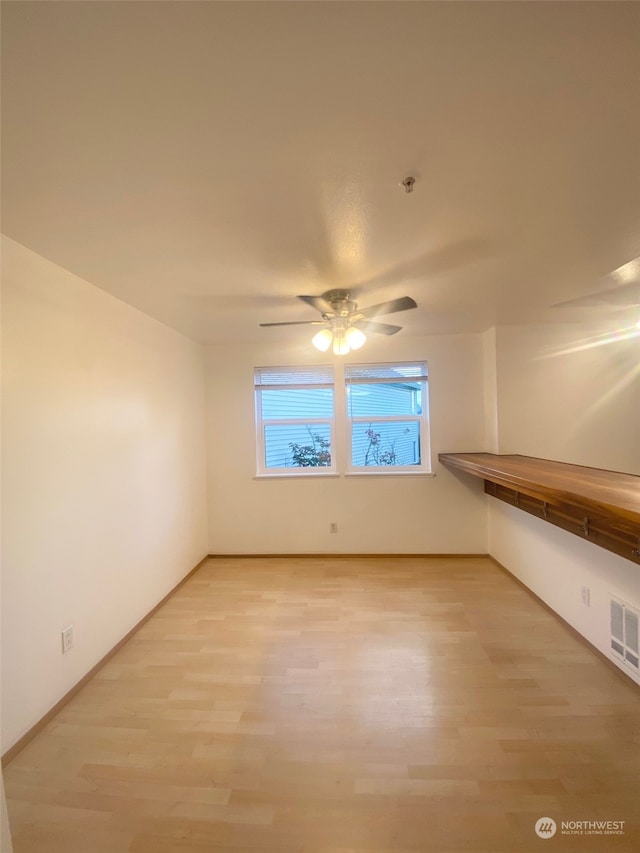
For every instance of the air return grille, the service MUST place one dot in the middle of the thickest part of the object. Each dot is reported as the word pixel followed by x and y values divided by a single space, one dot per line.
pixel 624 632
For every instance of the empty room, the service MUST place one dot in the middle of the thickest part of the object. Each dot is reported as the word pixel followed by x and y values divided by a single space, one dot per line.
pixel 320 424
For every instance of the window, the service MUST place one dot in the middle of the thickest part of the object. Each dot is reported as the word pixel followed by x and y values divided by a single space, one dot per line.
pixel 377 423
pixel 294 416
pixel 386 411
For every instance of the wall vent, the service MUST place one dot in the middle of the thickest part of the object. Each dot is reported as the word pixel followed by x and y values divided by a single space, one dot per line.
pixel 624 632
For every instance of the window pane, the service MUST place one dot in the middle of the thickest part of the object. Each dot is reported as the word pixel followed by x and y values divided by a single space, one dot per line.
pixel 297 446
pixel 297 403
pixel 386 444
pixel 393 398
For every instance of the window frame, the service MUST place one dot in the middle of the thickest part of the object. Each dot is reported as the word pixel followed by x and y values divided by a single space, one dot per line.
pixel 422 419
pixel 261 423
pixel 341 422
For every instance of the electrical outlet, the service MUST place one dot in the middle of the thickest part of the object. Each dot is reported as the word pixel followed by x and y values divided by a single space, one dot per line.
pixel 333 527
pixel 67 639
pixel 586 596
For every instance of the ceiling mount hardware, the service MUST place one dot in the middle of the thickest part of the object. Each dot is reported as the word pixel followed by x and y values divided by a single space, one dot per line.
pixel 408 183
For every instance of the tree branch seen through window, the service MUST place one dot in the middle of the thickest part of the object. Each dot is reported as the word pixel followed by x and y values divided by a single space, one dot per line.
pixel 314 455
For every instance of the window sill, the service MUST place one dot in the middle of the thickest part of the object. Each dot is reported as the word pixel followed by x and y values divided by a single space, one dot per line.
pixel 298 476
pixel 386 474
pixel 350 475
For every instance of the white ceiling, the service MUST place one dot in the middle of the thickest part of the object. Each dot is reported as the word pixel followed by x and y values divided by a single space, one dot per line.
pixel 206 162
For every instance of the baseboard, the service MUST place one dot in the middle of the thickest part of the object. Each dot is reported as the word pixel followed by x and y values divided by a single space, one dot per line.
pixel 42 722
pixel 360 556
pixel 619 672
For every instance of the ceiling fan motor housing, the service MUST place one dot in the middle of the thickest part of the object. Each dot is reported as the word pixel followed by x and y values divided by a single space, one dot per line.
pixel 341 303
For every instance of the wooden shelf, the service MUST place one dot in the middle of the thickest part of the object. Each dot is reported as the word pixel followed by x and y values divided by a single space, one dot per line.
pixel 600 506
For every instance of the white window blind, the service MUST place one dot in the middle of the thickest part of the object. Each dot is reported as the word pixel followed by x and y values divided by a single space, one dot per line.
pixel 277 377
pixel 360 373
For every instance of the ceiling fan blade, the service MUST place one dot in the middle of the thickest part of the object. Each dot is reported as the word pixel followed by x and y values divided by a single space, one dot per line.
pixel 318 303
pixel 404 303
pixel 378 328
pixel 297 323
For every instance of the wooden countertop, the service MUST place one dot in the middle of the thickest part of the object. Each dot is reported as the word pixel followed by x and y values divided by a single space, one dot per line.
pixel 591 488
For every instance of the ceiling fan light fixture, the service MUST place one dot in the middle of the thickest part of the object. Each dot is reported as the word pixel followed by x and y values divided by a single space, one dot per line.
pixel 355 338
pixel 340 343
pixel 322 340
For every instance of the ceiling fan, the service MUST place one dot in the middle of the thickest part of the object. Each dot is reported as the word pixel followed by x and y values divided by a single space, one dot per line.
pixel 344 324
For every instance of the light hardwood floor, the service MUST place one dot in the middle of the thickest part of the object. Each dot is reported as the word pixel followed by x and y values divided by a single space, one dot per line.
pixel 344 705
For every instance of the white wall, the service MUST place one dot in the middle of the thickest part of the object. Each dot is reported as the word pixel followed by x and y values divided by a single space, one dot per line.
pixel 559 397
pixel 556 565
pixel 383 514
pixel 489 354
pixel 103 476
pixel 6 845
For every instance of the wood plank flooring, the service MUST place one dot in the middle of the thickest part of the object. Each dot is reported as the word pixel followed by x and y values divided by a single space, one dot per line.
pixel 337 705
